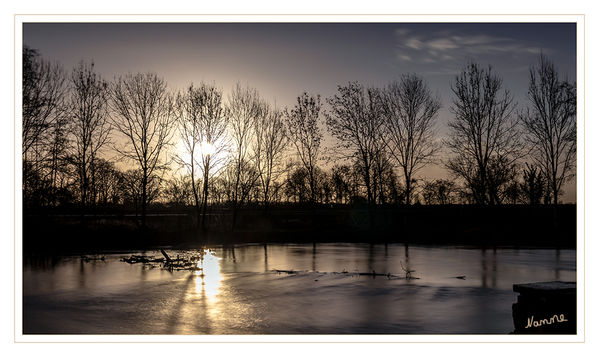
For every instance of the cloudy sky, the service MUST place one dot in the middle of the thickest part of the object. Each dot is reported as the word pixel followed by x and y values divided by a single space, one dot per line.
pixel 283 60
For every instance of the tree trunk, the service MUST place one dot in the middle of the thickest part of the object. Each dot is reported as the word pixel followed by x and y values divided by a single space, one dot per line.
pixel 312 187
pixel 196 198
pixel 367 183
pixel 408 186
pixel 205 194
pixel 144 199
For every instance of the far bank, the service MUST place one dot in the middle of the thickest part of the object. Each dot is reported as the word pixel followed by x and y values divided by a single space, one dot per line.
pixel 505 225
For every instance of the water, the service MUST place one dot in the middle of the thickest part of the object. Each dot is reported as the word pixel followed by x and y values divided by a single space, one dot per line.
pixel 241 293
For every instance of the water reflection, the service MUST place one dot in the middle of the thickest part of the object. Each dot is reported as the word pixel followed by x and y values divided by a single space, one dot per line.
pixel 235 291
pixel 485 273
pixel 408 269
pixel 313 256
pixel 265 258
pixel 208 276
pixel 557 264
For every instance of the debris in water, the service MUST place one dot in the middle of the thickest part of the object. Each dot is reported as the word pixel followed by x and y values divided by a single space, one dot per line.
pixel 344 271
pixel 86 258
pixel 142 259
pixel 407 271
pixel 279 271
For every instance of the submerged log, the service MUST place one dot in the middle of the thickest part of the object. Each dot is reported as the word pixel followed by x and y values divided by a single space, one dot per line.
pixel 279 271
pixel 134 259
pixel 375 274
pixel 168 259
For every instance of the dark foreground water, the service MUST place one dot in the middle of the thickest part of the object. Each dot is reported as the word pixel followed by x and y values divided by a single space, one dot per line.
pixel 241 292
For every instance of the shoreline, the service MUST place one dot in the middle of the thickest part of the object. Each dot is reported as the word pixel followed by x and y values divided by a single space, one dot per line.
pixel 480 227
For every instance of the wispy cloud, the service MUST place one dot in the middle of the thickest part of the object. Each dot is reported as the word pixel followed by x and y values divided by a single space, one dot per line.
pixel 448 46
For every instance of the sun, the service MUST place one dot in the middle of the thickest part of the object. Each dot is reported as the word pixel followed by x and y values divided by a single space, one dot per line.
pixel 184 147
pixel 201 151
pixel 206 149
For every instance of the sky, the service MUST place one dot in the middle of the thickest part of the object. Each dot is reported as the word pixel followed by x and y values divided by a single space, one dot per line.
pixel 282 60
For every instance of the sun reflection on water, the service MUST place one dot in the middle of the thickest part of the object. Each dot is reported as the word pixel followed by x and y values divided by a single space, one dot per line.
pixel 208 275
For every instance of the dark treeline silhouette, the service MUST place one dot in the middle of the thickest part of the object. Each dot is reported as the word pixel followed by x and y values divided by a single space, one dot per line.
pixel 93 146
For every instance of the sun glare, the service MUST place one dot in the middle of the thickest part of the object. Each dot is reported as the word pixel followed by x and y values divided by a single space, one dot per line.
pixel 206 148
pixel 208 276
pixel 201 150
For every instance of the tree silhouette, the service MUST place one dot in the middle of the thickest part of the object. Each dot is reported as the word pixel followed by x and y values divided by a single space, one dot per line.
pixel 269 144
pixel 107 180
pixel 43 127
pixel 90 128
pixel 440 191
pixel 410 111
pixel 202 128
pixel 483 138
pixel 244 107
pixel 213 139
pixel 356 122
pixel 341 182
pixel 43 93
pixel 550 124
pixel 306 135
pixel 178 191
pixel 60 161
pixel 188 114
pixel 297 185
pixel 236 151
pixel 535 184
pixel 143 114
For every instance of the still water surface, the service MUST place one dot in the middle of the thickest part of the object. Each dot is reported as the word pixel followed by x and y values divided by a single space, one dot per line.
pixel 241 292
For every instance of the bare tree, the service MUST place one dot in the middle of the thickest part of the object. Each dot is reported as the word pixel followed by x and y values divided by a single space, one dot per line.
pixel 512 193
pixel 534 187
pixel 410 111
pixel 269 147
pixel 385 183
pixel 296 184
pixel 42 127
pixel 440 191
pixel 209 137
pixel 356 122
pixel 243 109
pixel 143 115
pixel 483 135
pixel 305 134
pixel 178 191
pixel 341 182
pixel 106 178
pixel 88 116
pixel 550 124
pixel 59 164
pixel 189 112
pixel 133 187
pixel 43 93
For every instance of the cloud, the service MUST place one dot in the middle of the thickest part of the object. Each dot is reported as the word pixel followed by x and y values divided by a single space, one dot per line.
pixel 442 44
pixel 402 31
pixel 449 46
pixel 415 43
pixel 477 39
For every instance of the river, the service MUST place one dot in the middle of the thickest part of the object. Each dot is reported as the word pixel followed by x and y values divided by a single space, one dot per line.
pixel 288 289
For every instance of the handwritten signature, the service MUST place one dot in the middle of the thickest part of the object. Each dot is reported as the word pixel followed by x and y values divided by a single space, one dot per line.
pixel 553 319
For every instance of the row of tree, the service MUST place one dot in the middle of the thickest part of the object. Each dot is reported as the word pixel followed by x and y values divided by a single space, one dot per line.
pixel 196 147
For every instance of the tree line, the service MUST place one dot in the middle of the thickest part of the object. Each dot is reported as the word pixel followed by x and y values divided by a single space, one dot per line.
pixel 88 142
